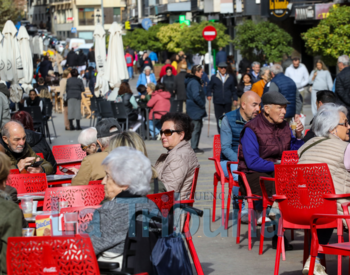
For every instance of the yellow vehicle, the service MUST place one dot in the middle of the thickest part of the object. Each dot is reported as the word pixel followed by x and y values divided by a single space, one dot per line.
pixel 278 4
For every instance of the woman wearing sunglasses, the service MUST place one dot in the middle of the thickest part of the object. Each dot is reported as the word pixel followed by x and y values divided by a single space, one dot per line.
pixel 176 167
pixel 330 146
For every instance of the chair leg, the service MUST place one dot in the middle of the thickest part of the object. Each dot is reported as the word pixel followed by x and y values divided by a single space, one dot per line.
pixel 292 235
pixel 222 203
pixel 214 196
pixel 194 255
pixel 240 202
pixel 306 246
pixel 262 231
pixel 53 126
pixel 278 255
pixel 228 207
pixel 312 265
pixel 283 250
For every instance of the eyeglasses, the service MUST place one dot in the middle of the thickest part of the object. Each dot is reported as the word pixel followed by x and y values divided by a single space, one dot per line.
pixel 84 147
pixel 168 132
pixel 346 123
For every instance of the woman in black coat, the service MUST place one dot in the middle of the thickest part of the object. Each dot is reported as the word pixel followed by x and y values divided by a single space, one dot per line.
pixel 45 67
pixel 33 100
pixel 82 60
pixel 180 88
pixel 74 89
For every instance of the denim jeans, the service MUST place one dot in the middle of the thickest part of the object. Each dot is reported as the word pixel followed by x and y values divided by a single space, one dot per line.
pixel 92 64
pixel 154 129
pixel 235 189
pixel 130 71
pixel 196 134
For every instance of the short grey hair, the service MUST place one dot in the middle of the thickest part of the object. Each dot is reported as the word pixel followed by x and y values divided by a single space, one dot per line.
pixel 130 167
pixel 5 131
pixel 147 68
pixel 343 59
pixel 264 70
pixel 276 69
pixel 88 136
pixel 152 86
pixel 105 140
pixel 255 63
pixel 327 118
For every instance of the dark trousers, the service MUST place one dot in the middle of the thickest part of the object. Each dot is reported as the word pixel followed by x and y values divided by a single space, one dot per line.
pixel 220 109
pixel 196 134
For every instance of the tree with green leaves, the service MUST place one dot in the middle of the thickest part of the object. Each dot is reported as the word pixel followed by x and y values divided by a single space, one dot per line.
pixel 9 10
pixel 263 41
pixel 171 36
pixel 331 37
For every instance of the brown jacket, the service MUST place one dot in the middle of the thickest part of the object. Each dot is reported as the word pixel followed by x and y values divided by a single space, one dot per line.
pixel 176 169
pixel 91 169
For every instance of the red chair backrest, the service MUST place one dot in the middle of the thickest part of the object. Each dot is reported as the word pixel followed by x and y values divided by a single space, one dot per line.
pixel 95 182
pixel 85 195
pixel 28 183
pixel 304 186
pixel 51 255
pixel 68 153
pixel 290 157
pixel 216 147
pixel 14 171
pixel 194 184
pixel 164 201
pixel 40 155
pixel 307 130
pixel 85 214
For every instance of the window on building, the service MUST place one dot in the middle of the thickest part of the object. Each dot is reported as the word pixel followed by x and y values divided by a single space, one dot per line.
pixel 86 17
pixel 110 13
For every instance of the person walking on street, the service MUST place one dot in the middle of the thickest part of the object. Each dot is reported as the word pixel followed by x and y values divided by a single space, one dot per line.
pixel 145 61
pixel 221 56
pixel 63 95
pixel 195 104
pixel 82 60
pixel 298 72
pixel 45 67
pixel 65 51
pixel 255 74
pixel 258 87
pixel 342 84
pixel 244 85
pixel 146 77
pixel 222 87
pixel 72 59
pixel 91 58
pixel 163 69
pixel 129 63
pixel 320 79
pixel 180 88
pixel 4 104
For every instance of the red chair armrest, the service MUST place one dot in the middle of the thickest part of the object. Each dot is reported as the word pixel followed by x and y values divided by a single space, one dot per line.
pixel 279 198
pixel 232 162
pixel 214 159
pixel 266 199
pixel 345 207
pixel 184 201
pixel 336 196
pixel 218 169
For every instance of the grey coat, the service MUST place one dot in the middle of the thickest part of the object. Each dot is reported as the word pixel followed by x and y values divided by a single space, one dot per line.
pixel 4 104
pixel 74 88
pixel 110 223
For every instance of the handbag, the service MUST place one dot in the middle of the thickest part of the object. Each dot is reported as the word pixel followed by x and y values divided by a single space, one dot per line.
pixel 169 256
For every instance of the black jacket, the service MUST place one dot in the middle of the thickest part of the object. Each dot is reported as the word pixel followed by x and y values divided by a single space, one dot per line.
pixel 243 65
pixel 72 59
pixel 82 59
pixel 253 78
pixel 342 87
pixel 74 88
pixel 45 67
pixel 39 145
pixel 169 83
pixel 180 89
pixel 91 56
pixel 310 134
pixel 145 63
pixel 224 93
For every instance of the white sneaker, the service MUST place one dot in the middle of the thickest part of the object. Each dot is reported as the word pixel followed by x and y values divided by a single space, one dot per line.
pixel 244 218
pixel 259 217
pixel 318 270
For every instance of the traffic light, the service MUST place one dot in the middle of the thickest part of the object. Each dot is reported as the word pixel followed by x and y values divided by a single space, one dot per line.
pixel 127 25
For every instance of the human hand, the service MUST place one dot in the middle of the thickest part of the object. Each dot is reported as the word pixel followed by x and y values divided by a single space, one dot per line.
pixel 143 96
pixel 299 129
pixel 73 169
pixel 235 102
pixel 35 170
pixel 25 162
pixel 209 98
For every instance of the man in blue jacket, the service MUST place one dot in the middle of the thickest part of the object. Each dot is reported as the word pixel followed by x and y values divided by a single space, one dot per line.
pixel 221 56
pixel 222 86
pixel 231 127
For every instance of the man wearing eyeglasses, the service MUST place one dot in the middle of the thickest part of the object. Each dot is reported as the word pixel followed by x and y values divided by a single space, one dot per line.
pixel 88 140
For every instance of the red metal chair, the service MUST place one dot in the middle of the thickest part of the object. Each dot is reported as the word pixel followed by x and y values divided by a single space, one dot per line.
pixel 85 214
pixel 86 195
pixel 307 130
pixel 14 171
pixel 290 157
pixel 302 190
pixel 56 255
pixel 68 153
pixel 28 183
pixel 95 182
pixel 219 176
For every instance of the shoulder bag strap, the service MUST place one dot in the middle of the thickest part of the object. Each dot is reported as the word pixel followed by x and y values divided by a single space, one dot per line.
pixel 156 187
pixel 307 148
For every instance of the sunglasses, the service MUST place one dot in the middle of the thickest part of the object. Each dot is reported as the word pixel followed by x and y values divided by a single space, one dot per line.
pixel 168 132
pixel 84 147
pixel 346 123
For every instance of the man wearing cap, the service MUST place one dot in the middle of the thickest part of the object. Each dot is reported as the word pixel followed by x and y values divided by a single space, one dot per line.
pixel 300 75
pixel 91 166
pixel 263 141
pixel 222 86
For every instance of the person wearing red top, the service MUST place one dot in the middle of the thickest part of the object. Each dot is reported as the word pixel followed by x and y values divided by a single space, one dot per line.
pixel 163 69
pixel 160 105
pixel 129 59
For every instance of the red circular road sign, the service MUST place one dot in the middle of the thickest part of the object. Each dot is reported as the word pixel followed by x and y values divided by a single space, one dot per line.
pixel 209 33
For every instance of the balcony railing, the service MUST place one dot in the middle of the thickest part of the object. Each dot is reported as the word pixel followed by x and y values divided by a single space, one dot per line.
pixel 86 22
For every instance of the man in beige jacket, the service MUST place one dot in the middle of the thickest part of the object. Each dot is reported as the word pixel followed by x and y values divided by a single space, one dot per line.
pixel 91 166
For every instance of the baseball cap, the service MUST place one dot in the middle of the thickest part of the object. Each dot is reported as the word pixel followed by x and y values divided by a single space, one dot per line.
pixel 105 125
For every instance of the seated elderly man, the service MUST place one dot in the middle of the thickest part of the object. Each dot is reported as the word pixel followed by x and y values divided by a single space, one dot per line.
pixel 88 140
pixel 262 143
pixel 330 145
pixel 91 168
pixel 127 182
pixel 20 153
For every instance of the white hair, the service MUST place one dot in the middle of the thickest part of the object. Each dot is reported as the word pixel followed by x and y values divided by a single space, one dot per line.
pixel 343 59
pixel 276 69
pixel 130 167
pixel 264 69
pixel 147 68
pixel 88 136
pixel 255 63
pixel 327 118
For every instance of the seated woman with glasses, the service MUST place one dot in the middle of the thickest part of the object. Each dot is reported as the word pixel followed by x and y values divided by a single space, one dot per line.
pixel 331 146
pixel 176 167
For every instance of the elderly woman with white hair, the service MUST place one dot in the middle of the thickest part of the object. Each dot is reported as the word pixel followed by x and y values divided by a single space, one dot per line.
pixel 146 77
pixel 127 182
pixel 330 146
pixel 88 140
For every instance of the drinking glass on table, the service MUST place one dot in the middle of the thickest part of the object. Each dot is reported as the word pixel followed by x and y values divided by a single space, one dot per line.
pixel 70 223
pixel 27 207
pixel 28 232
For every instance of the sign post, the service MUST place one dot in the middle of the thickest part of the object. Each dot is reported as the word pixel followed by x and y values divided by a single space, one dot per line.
pixel 209 34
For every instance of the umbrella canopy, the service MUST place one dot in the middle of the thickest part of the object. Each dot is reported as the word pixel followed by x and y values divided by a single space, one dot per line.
pixel 116 69
pixel 14 70
pixel 2 59
pixel 38 45
pixel 26 55
pixel 101 86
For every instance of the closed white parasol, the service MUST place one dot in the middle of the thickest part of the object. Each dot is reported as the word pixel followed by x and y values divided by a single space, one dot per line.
pixel 101 86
